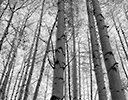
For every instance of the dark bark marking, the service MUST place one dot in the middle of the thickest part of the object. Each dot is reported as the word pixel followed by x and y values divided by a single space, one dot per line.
pixel 60 78
pixel 60 49
pixel 110 53
pixel 64 65
pixel 95 66
pixel 54 98
pixel 94 11
pixel 74 98
pixel 63 36
pixel 113 67
pixel 101 16
pixel 57 62
pixel 91 27
pixel 94 52
pixel 105 26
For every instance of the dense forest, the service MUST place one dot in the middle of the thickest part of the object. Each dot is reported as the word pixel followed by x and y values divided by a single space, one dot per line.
pixel 63 49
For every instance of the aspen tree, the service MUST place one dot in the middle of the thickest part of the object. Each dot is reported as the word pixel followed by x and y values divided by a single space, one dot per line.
pixel 123 33
pixel 68 65
pixel 44 59
pixel 47 83
pixel 121 60
pixel 16 80
pixel 90 65
pixel 96 55
pixel 121 41
pixel 34 54
pixel 79 66
pixel 17 42
pixel 74 65
pixel 57 91
pixel 110 62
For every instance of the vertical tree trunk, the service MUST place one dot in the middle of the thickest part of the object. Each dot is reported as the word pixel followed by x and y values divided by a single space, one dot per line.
pixel 68 65
pixel 79 66
pixel 65 83
pixel 111 65
pixel 9 83
pixel 43 63
pixel 121 60
pixel 90 65
pixel 16 80
pixel 96 55
pixel 74 65
pixel 123 33
pixel 118 32
pixel 47 84
pixel 57 91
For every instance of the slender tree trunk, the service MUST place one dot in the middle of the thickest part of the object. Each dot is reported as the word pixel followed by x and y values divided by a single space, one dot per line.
pixel 57 91
pixel 43 63
pixel 65 90
pixel 26 92
pixel 90 64
pixel 84 86
pixel 120 38
pixel 74 65
pixel 16 81
pixel 111 65
pixel 122 63
pixel 79 66
pixel 45 95
pixel 87 84
pixel 8 59
pixel 68 65
pixel 123 33
pixel 96 55
pixel 9 83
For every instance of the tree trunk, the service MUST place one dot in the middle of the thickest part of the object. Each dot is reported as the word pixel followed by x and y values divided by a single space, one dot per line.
pixel 74 63
pixel 121 60
pixel 79 66
pixel 43 63
pixel 57 91
pixel 118 32
pixel 69 75
pixel 111 65
pixel 96 55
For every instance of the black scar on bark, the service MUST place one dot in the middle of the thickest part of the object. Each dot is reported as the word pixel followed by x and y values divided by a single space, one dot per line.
pixel 100 15
pixel 60 78
pixel 74 98
pixel 94 11
pixel 63 36
pixel 113 67
pixel 57 62
pixel 57 50
pixel 54 98
pixel 96 66
pixel 105 26
pixel 95 51
pixel 110 52
pixel 91 27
